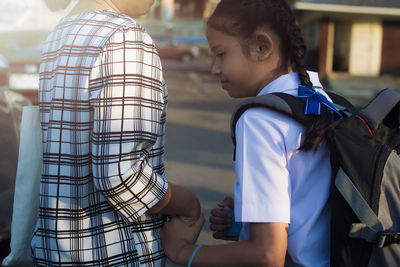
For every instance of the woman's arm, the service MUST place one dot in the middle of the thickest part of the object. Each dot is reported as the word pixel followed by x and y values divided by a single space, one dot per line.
pixel 128 98
pixel 266 246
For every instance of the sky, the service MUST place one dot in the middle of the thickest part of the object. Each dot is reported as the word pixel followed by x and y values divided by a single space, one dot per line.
pixel 27 15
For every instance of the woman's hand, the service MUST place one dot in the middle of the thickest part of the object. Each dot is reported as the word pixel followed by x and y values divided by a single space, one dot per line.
pixel 220 219
pixel 178 239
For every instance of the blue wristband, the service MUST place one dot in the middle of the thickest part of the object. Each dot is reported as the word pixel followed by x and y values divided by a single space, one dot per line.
pixel 194 253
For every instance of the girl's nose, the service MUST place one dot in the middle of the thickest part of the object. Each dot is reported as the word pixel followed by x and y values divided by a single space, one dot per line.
pixel 215 69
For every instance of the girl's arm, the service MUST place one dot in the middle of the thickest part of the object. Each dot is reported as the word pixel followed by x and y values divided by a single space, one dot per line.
pixel 266 247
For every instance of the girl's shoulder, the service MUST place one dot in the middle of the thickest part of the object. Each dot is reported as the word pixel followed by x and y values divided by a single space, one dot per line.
pixel 264 125
pixel 265 118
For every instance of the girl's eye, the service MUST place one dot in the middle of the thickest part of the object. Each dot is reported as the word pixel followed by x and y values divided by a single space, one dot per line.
pixel 219 54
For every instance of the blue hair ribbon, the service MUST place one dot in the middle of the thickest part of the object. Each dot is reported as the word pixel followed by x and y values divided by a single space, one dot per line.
pixel 314 101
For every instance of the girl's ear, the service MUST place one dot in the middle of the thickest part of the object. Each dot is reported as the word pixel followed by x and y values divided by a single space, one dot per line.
pixel 264 44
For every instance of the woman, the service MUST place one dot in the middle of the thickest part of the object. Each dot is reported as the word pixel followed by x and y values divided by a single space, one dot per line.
pixel 103 106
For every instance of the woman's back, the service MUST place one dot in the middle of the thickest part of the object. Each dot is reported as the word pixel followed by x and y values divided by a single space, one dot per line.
pixel 82 77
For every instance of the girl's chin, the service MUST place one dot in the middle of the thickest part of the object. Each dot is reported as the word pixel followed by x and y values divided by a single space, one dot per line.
pixel 233 94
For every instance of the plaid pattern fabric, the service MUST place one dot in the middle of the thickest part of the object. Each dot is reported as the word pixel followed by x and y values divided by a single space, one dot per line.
pixel 103 106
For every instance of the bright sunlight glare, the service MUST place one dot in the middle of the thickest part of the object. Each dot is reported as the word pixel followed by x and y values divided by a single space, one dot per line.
pixel 27 15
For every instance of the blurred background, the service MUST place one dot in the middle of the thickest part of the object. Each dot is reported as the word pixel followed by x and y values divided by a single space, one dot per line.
pixel 353 44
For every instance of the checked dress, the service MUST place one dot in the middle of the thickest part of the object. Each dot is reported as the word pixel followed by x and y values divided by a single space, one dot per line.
pixel 102 105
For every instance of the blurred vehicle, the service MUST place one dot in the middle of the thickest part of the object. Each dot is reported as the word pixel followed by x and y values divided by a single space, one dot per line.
pixel 168 48
pixel 22 50
pixel 11 104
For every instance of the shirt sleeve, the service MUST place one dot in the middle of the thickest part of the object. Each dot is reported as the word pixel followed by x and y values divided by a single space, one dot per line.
pixel 128 106
pixel 262 187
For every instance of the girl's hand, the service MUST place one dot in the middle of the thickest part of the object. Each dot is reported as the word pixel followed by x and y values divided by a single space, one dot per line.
pixel 178 239
pixel 220 219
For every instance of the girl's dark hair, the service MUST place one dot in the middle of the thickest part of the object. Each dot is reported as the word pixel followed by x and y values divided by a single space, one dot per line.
pixel 243 18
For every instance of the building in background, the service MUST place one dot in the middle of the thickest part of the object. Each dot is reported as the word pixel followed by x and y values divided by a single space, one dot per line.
pixel 184 9
pixel 359 37
pixel 185 18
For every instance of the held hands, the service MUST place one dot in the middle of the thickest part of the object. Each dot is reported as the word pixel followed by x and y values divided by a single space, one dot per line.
pixel 220 219
pixel 180 202
pixel 189 221
pixel 178 238
pixel 193 214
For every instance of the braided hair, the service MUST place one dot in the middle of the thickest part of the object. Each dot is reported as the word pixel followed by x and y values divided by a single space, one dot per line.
pixel 242 18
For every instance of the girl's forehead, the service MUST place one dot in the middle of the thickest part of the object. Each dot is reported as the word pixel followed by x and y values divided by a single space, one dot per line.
pixel 217 35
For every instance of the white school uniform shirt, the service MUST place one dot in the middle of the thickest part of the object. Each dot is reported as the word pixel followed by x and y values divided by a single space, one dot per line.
pixel 278 183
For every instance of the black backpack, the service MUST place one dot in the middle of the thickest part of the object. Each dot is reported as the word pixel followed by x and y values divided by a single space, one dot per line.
pixel 365 148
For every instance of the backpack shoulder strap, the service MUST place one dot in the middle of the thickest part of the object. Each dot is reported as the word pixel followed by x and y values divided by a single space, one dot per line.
pixel 288 105
pixel 342 104
pixel 377 110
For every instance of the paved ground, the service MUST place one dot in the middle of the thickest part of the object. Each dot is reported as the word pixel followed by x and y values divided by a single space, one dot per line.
pixel 198 145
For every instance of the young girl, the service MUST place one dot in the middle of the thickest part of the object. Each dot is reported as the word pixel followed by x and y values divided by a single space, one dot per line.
pixel 283 168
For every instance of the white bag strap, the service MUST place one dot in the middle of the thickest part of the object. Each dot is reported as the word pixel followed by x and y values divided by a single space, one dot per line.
pixel 27 183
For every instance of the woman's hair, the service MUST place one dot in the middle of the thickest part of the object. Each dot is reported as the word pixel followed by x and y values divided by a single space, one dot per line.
pixel 56 5
pixel 242 18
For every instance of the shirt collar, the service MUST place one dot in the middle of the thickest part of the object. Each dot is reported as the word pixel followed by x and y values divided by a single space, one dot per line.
pixel 288 83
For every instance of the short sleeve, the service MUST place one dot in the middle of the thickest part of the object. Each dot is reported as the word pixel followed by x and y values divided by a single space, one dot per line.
pixel 262 188
pixel 127 100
